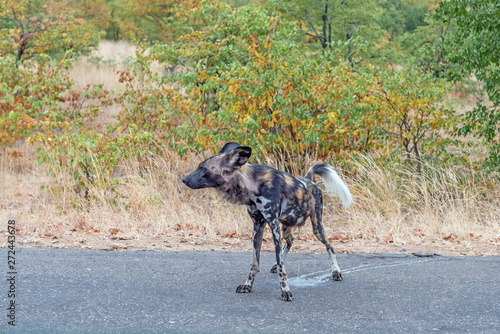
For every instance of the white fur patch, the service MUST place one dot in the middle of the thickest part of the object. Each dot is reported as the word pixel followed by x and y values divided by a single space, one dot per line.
pixel 335 185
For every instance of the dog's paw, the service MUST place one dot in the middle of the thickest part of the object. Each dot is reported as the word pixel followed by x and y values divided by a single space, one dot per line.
pixel 337 276
pixel 274 269
pixel 286 296
pixel 244 288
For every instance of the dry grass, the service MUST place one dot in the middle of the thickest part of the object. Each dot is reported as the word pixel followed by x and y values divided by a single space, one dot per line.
pixel 115 50
pixel 101 66
pixel 85 72
pixel 441 202
pixel 392 208
pixel 154 202
pixel 443 211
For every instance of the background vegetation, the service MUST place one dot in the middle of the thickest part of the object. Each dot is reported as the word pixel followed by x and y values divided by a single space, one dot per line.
pixel 401 95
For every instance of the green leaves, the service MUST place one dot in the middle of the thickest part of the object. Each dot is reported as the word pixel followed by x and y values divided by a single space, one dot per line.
pixel 29 29
pixel 476 49
pixel 279 99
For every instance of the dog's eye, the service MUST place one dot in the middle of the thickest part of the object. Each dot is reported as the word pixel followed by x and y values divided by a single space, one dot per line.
pixel 203 169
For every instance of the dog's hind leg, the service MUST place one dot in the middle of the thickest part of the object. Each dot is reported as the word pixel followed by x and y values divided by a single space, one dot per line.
pixel 320 234
pixel 259 223
pixel 286 294
pixel 287 235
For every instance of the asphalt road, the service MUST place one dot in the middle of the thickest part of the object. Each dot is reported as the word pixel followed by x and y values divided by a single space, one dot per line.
pixel 83 291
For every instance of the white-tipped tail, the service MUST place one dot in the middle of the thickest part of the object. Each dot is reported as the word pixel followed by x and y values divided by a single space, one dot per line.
pixel 333 183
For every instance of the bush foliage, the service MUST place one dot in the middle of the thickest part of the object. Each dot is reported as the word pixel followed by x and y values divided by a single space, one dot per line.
pixel 291 82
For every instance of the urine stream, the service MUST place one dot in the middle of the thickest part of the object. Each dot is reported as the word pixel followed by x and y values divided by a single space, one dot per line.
pixel 318 277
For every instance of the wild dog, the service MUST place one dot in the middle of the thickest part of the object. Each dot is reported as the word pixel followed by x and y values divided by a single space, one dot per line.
pixel 272 197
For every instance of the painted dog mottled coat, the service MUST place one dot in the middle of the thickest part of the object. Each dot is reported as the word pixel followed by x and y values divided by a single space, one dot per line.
pixel 271 197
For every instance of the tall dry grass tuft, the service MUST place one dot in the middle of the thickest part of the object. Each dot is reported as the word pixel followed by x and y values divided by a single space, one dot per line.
pixel 441 201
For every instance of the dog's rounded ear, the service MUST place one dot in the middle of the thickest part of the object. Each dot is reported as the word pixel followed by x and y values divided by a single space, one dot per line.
pixel 239 156
pixel 229 147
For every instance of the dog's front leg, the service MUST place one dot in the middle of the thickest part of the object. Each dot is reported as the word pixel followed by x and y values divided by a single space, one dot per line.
pixel 286 294
pixel 287 235
pixel 259 224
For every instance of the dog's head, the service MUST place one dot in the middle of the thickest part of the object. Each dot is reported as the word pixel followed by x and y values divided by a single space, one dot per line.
pixel 216 170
